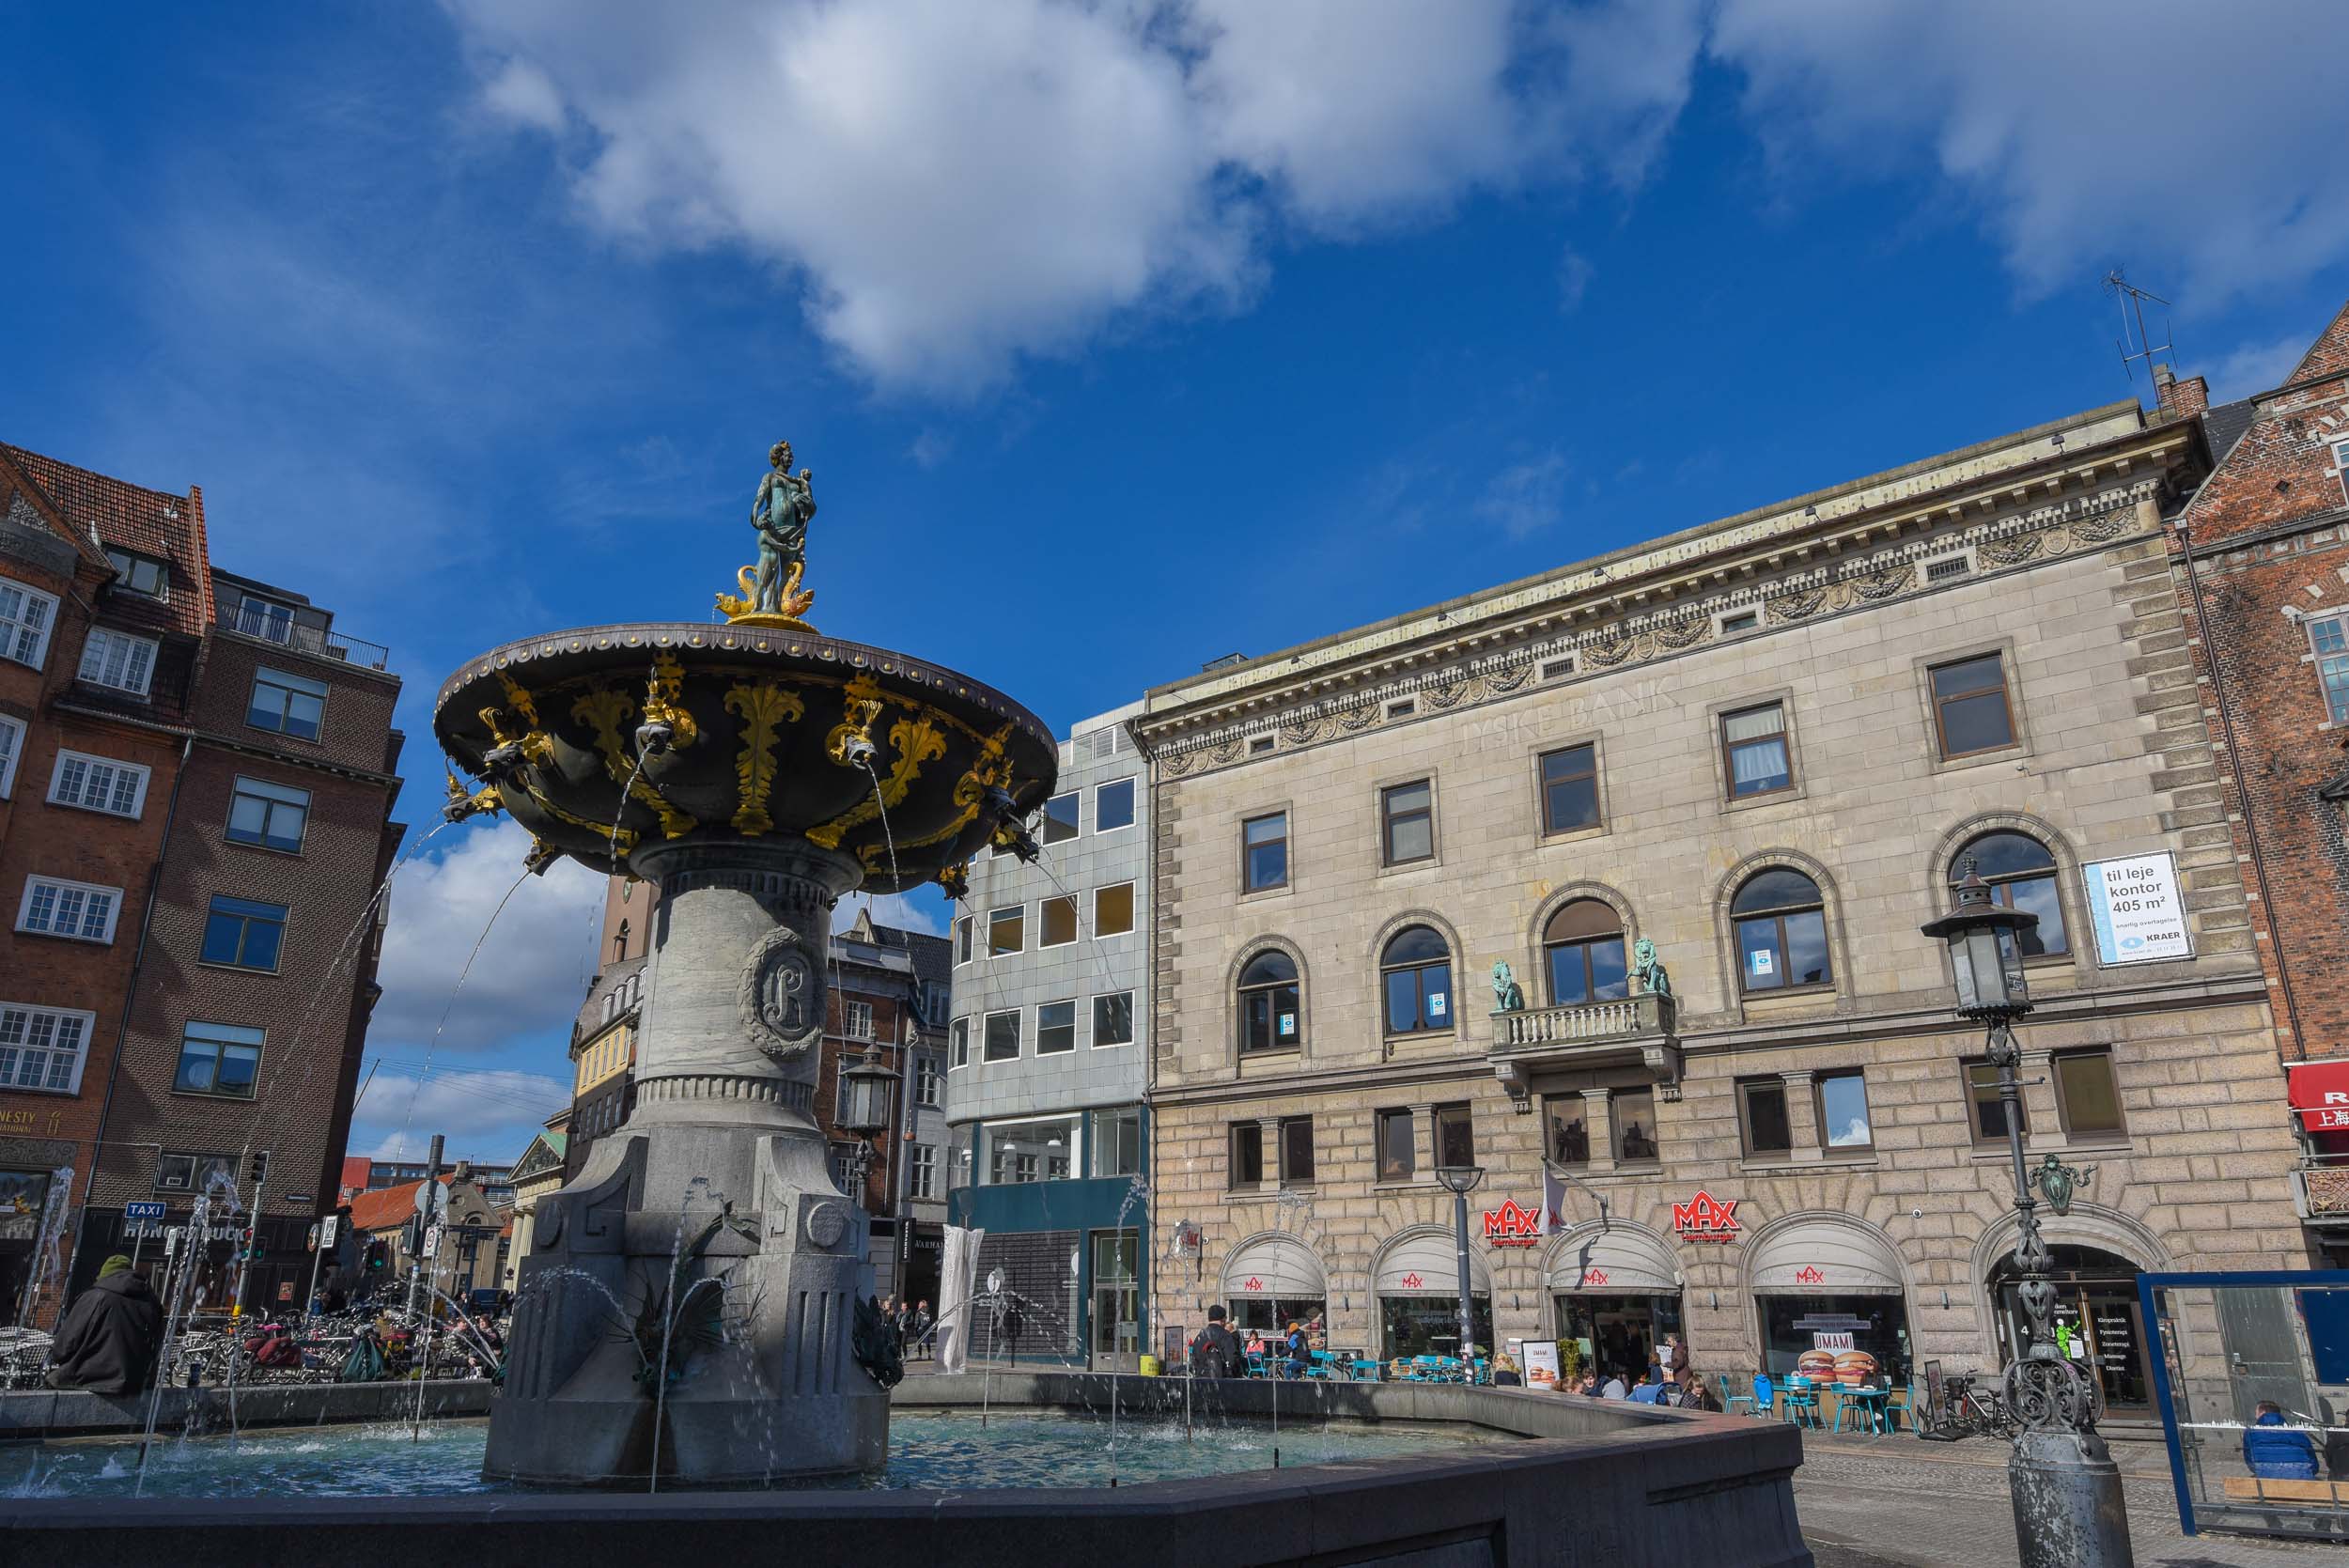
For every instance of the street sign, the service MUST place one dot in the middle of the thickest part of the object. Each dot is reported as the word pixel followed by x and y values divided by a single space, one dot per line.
pixel 143 1211
pixel 310 1240
pixel 297 1198
pixel 431 1199
pixel 327 1228
pixel 432 1242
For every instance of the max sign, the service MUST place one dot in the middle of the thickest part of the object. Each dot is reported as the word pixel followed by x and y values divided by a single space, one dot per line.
pixel 1705 1218
pixel 1511 1226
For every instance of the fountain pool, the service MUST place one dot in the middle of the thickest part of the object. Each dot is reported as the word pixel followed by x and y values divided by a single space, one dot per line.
pixel 946 1451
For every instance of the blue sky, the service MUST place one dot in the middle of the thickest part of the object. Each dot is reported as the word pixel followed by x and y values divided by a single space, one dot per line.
pixel 1119 336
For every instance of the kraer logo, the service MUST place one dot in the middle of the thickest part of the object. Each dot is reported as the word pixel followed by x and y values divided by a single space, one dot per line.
pixel 1705 1218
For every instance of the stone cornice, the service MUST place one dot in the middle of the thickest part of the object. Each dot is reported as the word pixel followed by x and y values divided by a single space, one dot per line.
pixel 2004 473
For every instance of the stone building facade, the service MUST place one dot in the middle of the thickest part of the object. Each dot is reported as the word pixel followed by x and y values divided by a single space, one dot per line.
pixel 2261 558
pixel 1765 745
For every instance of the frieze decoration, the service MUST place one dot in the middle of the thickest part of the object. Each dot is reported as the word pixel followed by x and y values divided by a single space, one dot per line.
pixel 762 707
pixel 780 997
pixel 2047 532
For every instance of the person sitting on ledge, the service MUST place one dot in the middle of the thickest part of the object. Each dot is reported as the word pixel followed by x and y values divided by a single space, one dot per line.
pixel 111 1336
pixel 2277 1451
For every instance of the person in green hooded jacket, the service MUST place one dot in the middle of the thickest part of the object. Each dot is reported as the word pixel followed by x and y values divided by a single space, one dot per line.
pixel 111 1336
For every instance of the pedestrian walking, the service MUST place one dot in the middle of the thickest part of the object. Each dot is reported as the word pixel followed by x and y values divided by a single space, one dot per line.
pixel 1215 1350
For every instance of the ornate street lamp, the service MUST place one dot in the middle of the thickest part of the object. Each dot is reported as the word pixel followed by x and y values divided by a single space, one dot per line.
pixel 866 1090
pixel 2065 1487
pixel 1461 1180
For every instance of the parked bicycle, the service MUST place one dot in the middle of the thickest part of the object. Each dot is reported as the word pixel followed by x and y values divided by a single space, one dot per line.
pixel 1970 1405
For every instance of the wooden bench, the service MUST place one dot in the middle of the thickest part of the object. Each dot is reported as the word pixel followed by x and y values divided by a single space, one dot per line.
pixel 2247 1488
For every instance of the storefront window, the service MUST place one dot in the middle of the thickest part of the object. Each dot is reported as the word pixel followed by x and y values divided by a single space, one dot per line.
pixel 1853 1339
pixel 1618 1333
pixel 1429 1325
pixel 2097 1323
pixel 1017 1153
pixel 1271 1315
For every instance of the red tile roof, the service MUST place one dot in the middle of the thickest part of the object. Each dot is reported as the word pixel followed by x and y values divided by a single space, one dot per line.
pixel 387 1207
pixel 129 517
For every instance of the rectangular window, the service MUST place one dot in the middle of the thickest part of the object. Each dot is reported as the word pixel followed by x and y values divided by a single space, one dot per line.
pixel 287 704
pixel 1055 1028
pixel 192 1172
pixel 1264 852
pixel 1113 1019
pixel 219 1059
pixel 2087 1094
pixel 42 1047
pixel 1557 669
pixel 1969 705
pixel 958 1045
pixel 930 1084
pixel 272 816
pixel 1762 1112
pixel 119 659
pixel 1114 909
pixel 1398 1137
pixel 98 783
pixel 856 1019
pixel 1843 1112
pixel 1565 1130
pixel 265 618
pixel 27 616
pixel 1297 1151
pixel 1570 789
pixel 1753 741
pixel 1742 620
pixel 1003 1036
pixel 1113 806
pixel 1407 816
pixel 962 938
pixel 140 574
pixel 1006 931
pixel 244 934
pixel 75 909
pixel 1247 1165
pixel 1634 1113
pixel 1985 1110
pixel 1262 744
pixel 925 1173
pixel 1116 1144
pixel 1455 1136
pixel 1948 569
pixel 1060 818
pixel 2329 639
pixel 1056 923
pixel 1403 709
pixel 11 747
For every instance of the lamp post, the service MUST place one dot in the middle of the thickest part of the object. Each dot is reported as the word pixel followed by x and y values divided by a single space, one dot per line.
pixel 865 1087
pixel 1461 1180
pixel 2065 1487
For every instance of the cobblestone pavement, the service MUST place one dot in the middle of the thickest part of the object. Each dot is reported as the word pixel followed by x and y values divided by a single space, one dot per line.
pixel 1895 1502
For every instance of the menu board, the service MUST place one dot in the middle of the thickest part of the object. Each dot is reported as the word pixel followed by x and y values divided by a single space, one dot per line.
pixel 1541 1363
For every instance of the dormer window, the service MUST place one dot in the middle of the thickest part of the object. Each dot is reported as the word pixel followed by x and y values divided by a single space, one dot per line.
pixel 141 574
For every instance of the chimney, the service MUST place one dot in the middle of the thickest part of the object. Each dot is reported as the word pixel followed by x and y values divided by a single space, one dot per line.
pixel 2180 399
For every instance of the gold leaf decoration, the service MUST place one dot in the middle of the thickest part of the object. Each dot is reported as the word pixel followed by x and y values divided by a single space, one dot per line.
pixel 605 710
pixel 914 741
pixel 762 709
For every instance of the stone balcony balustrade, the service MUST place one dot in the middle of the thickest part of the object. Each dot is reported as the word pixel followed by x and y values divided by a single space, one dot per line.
pixel 1633 1030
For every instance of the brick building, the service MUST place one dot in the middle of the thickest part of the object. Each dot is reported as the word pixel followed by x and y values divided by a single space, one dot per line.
pixel 204 758
pixel 1767 745
pixel 2261 558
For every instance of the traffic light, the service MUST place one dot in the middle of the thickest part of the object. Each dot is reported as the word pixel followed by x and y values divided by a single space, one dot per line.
pixel 245 1239
pixel 261 1166
pixel 378 1256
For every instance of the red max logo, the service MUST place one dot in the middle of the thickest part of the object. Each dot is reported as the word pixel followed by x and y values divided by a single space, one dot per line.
pixel 1810 1276
pixel 1511 1225
pixel 1594 1275
pixel 1252 1282
pixel 1706 1216
pixel 1412 1281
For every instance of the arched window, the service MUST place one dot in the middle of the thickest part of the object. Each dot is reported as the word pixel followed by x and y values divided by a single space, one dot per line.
pixel 2022 876
pixel 1270 1016
pixel 1782 931
pixel 1416 972
pixel 1582 948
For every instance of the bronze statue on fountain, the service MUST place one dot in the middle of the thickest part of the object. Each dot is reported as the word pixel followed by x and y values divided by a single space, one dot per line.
pixel 756 772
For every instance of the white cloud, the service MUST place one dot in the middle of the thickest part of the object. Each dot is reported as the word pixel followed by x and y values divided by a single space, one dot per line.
pixel 1526 497
pixel 529 976
pixel 488 1116
pixel 2059 123
pixel 2256 367
pixel 893 908
pixel 953 187
pixel 1574 279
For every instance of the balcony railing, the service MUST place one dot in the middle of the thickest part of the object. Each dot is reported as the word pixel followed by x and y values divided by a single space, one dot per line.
pixel 275 624
pixel 2323 1193
pixel 1585 1023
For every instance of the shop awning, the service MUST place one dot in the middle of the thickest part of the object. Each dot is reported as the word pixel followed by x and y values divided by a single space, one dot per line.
pixel 1826 1255
pixel 2320 1092
pixel 1427 1263
pixel 1280 1267
pixel 1621 1260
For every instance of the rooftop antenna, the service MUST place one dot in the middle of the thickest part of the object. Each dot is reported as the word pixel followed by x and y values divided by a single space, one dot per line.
pixel 2134 343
